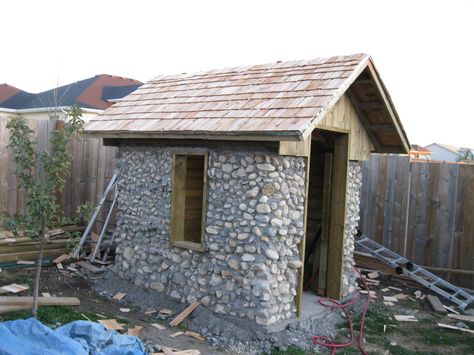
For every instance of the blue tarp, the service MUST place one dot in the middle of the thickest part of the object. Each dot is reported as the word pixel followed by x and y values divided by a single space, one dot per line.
pixel 31 337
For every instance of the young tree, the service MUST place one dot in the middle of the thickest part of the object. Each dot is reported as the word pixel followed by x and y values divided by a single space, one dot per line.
pixel 41 185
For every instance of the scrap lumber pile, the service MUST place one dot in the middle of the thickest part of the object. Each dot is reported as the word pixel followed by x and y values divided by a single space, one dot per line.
pixel 14 249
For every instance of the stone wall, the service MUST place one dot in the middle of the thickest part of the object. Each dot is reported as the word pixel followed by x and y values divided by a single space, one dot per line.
pixel 254 224
pixel 354 185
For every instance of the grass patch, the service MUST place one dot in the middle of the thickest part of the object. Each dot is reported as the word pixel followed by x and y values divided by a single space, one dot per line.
pixel 51 315
pixel 375 319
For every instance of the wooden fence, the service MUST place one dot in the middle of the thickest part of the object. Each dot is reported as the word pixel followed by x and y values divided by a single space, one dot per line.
pixel 422 210
pixel 91 169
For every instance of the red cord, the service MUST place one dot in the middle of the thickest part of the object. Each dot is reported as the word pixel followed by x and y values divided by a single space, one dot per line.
pixel 328 302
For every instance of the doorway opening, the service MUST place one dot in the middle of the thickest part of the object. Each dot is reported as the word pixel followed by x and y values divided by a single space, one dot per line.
pixel 324 238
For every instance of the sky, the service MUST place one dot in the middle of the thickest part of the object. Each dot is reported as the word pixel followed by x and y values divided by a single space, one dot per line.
pixel 423 50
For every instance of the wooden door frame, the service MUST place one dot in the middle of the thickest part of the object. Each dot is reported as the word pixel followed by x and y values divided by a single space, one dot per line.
pixel 336 220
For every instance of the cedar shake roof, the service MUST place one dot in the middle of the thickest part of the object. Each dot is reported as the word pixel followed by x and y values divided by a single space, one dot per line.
pixel 279 101
pixel 92 93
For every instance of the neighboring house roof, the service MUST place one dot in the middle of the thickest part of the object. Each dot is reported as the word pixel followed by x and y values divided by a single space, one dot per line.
pixel 92 93
pixel 451 148
pixel 12 97
pixel 279 101
pixel 419 148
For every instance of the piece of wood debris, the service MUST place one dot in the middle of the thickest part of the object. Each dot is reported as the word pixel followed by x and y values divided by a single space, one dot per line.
pixel 194 335
pixel 111 324
pixel 14 288
pixel 25 262
pixel 119 296
pixel 373 282
pixel 167 351
pixel 100 315
pixel 411 299
pixel 124 310
pixel 400 296
pixel 447 326
pixel 60 266
pixel 373 275
pixel 73 269
pixel 166 312
pixel 436 304
pixel 45 294
pixel 134 331
pixel 52 232
pixel 386 289
pixel 452 310
pixel 158 326
pixel 404 318
pixel 395 288
pixel 42 301
pixel 463 317
pixel 390 299
pixel 390 304
pixel 8 240
pixel 89 267
pixel 150 311
pixel 182 316
pixel 174 335
pixel 86 317
pixel 61 258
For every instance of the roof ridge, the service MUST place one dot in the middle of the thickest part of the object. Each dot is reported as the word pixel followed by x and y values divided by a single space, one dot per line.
pixel 273 65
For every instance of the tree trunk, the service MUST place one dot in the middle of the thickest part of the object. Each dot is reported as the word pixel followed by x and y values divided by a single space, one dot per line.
pixel 38 270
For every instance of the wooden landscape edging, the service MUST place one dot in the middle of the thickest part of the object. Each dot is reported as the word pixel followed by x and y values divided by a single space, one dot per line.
pixel 422 210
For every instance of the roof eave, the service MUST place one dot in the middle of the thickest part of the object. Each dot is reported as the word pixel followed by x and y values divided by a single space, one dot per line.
pixel 392 111
pixel 254 135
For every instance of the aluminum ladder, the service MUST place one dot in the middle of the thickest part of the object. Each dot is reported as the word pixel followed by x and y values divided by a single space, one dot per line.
pixel 405 267
pixel 100 242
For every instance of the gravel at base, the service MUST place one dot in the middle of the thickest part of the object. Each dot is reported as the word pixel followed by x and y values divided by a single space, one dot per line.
pixel 238 336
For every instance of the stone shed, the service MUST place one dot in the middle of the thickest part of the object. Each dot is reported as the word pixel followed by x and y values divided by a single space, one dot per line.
pixel 240 187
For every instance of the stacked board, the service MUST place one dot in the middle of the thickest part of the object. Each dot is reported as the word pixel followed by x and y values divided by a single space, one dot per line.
pixel 27 248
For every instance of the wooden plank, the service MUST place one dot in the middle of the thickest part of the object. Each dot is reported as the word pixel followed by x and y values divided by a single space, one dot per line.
pixel 436 304
pixel 182 316
pixel 30 255
pixel 194 335
pixel 462 317
pixel 452 327
pixel 338 217
pixel 178 197
pixel 302 245
pixel 111 324
pixel 119 296
pixel 405 318
pixel 44 301
pixel 14 288
pixel 297 149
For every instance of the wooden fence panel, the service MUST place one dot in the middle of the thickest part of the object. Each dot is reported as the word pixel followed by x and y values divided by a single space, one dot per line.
pixel 421 210
pixel 92 167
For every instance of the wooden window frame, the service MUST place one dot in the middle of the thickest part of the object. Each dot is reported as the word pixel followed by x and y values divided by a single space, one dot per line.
pixel 176 232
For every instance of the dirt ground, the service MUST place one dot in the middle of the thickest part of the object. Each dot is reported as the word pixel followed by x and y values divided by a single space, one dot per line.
pixel 422 337
pixel 58 284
